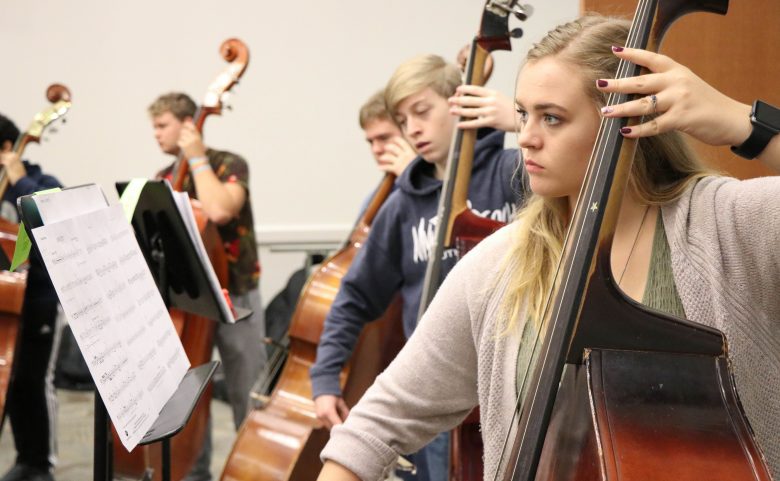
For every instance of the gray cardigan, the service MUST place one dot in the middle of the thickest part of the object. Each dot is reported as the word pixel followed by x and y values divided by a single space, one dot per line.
pixel 726 265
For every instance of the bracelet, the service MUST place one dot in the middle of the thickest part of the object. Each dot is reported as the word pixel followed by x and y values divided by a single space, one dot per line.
pixel 195 165
pixel 195 161
pixel 198 164
pixel 200 168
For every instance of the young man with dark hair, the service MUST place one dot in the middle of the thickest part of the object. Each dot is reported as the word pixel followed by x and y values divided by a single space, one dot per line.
pixel 31 401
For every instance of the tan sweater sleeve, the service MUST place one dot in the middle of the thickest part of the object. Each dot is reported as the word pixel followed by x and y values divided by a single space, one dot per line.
pixel 726 260
pixel 432 385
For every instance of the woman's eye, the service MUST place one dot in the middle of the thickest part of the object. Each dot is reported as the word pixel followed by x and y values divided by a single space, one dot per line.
pixel 522 115
pixel 551 119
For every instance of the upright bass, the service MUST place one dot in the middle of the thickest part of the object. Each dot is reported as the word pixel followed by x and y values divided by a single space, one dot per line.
pixel 617 391
pixel 12 284
pixel 281 438
pixel 196 332
pixel 458 227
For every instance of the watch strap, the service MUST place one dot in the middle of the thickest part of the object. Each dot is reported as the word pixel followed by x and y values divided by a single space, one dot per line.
pixel 764 119
pixel 755 143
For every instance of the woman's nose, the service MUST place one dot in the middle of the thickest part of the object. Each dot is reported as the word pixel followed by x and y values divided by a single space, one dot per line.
pixel 528 136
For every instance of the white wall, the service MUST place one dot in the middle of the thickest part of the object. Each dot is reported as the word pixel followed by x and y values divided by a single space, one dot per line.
pixel 294 117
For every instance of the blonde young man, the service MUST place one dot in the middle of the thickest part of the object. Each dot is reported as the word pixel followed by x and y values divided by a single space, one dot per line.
pixel 220 181
pixel 419 97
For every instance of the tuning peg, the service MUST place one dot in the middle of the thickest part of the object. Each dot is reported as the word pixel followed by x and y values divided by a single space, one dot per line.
pixel 516 33
pixel 229 107
pixel 64 120
pixel 522 11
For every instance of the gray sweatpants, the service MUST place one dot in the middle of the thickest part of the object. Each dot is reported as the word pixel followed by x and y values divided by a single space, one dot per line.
pixel 243 357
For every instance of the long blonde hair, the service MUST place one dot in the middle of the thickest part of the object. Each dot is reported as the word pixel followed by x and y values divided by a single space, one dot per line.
pixel 664 166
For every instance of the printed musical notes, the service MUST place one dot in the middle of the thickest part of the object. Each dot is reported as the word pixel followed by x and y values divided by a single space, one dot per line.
pixel 116 313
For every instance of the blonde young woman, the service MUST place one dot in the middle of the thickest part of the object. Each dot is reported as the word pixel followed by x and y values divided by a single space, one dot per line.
pixel 687 242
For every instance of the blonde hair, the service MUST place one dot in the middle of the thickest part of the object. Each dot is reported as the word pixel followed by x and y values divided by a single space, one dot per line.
pixel 417 74
pixel 664 166
pixel 177 103
pixel 373 109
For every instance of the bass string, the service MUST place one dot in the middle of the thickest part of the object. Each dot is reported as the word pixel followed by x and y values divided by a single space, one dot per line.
pixel 607 136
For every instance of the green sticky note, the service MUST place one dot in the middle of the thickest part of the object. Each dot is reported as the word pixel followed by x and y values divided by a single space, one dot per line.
pixel 48 191
pixel 130 196
pixel 23 243
pixel 21 249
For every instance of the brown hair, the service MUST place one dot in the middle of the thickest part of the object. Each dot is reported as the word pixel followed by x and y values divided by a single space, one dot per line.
pixel 177 103
pixel 373 109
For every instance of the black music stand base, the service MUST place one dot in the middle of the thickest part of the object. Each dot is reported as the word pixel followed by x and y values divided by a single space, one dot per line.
pixel 172 419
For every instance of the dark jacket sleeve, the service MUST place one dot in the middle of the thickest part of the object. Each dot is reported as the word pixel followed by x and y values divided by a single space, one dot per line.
pixel 34 181
pixel 365 293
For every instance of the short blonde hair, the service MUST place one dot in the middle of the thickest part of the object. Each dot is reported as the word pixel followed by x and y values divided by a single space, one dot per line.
pixel 419 73
pixel 373 109
pixel 177 103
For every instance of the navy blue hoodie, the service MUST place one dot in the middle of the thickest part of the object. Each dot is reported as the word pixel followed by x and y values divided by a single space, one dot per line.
pixel 395 255
pixel 39 287
pixel 34 181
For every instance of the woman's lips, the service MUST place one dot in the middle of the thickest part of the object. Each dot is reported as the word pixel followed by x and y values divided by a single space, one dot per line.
pixel 531 166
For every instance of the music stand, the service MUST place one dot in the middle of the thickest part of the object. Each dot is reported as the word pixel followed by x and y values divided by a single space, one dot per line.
pixel 5 262
pixel 172 255
pixel 177 411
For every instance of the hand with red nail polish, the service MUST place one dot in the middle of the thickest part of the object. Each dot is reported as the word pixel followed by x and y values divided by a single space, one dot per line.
pixel 672 97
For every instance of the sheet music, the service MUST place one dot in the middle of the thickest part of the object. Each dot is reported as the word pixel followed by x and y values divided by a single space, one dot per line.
pixel 115 311
pixel 182 201
pixel 70 202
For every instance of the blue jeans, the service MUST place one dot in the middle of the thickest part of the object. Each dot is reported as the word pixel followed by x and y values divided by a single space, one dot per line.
pixel 432 461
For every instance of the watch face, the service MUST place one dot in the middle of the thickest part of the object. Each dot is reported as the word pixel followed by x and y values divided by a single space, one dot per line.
pixel 767 115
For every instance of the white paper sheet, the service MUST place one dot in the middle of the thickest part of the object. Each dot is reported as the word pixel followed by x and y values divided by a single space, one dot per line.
pixel 115 311
pixel 70 202
pixel 184 206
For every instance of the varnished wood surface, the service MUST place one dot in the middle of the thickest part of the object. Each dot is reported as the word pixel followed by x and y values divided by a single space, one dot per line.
pixel 11 296
pixel 735 53
pixel 281 439
pixel 583 314
pixel 12 286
